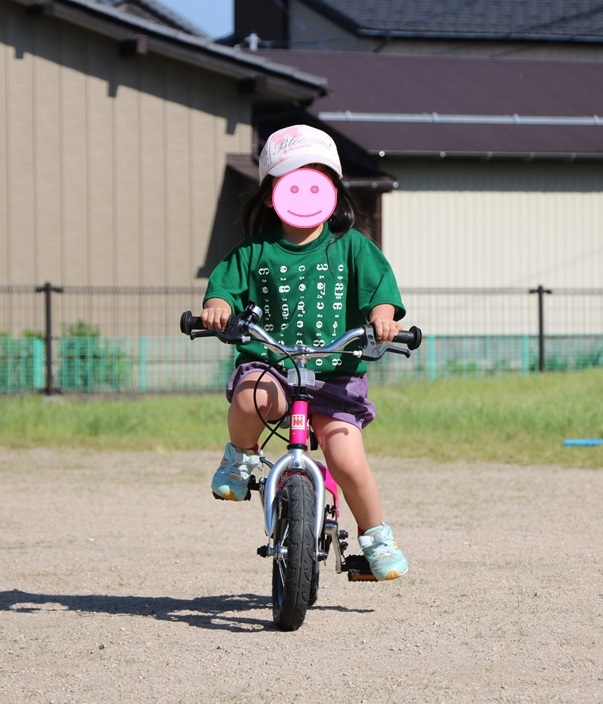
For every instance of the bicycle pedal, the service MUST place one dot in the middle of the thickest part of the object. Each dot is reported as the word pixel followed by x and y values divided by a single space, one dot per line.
pixel 358 569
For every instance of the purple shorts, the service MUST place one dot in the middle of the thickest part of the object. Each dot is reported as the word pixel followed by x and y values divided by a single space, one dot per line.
pixel 341 397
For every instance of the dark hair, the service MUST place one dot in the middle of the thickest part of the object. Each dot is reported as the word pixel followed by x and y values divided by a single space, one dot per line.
pixel 259 217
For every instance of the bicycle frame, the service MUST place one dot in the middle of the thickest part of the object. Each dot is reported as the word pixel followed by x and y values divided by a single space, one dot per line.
pixel 297 459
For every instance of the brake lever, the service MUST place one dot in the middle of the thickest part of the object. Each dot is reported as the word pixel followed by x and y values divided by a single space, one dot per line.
pixel 233 334
pixel 397 350
pixel 373 351
pixel 236 330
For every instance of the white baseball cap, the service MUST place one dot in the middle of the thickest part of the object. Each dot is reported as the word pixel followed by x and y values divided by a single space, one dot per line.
pixel 296 146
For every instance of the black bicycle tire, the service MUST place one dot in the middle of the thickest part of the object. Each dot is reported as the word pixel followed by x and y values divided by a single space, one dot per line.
pixel 292 576
pixel 314 583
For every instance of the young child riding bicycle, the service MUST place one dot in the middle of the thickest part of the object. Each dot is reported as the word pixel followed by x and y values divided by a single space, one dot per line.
pixel 314 277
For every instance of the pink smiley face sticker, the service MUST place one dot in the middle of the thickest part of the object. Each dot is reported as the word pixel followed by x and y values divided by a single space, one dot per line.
pixel 304 198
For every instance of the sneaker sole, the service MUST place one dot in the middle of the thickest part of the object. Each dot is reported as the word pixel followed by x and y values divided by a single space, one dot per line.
pixel 393 574
pixel 363 577
pixel 230 496
pixel 359 570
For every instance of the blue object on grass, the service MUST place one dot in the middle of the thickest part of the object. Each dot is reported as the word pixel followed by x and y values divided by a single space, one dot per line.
pixel 584 442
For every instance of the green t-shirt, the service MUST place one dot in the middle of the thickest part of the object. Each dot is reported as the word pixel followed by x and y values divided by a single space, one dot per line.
pixel 309 294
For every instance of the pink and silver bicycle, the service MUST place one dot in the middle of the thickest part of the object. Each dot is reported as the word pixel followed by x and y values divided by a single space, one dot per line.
pixel 299 496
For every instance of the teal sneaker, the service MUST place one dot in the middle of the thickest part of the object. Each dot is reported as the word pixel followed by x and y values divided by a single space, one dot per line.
pixel 231 479
pixel 381 550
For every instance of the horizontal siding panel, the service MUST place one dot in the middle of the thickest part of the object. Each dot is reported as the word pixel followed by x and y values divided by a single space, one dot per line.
pixel 74 160
pixel 4 159
pixel 113 167
pixel 491 228
pixel 126 151
pixel 178 175
pixel 19 116
pixel 506 231
pixel 47 143
pixel 101 167
pixel 153 175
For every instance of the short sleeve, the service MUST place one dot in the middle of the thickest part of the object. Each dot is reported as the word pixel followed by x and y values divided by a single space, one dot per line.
pixel 230 279
pixel 376 282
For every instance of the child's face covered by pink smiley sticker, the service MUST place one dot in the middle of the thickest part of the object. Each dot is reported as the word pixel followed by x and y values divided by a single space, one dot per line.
pixel 304 198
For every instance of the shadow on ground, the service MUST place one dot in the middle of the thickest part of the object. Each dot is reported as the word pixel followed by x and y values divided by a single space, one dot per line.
pixel 231 612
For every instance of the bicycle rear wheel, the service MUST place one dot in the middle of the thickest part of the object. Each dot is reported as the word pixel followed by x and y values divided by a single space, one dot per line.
pixel 294 565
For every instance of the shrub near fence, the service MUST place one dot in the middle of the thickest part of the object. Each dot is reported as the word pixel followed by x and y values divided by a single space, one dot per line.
pixel 142 365
pixel 93 355
pixel 91 363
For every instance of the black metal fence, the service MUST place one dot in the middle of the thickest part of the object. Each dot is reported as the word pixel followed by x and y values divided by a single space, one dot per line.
pixel 76 339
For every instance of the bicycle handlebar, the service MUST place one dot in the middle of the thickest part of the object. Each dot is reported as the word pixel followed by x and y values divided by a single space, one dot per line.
pixel 242 328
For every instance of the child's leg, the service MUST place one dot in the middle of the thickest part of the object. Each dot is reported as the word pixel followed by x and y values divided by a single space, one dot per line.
pixel 343 448
pixel 244 425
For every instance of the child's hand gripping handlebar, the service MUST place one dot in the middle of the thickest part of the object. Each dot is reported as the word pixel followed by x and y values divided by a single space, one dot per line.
pixel 242 328
pixel 234 334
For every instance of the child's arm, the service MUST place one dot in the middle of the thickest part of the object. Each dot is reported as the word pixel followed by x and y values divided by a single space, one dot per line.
pixel 215 314
pixel 382 318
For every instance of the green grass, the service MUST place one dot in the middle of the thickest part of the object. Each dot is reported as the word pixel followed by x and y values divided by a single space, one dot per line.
pixel 142 423
pixel 514 419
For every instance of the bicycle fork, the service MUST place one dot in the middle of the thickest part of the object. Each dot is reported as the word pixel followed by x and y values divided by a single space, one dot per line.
pixel 296 460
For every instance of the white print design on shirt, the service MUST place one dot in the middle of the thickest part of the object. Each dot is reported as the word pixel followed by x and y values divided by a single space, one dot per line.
pixel 303 307
pixel 264 273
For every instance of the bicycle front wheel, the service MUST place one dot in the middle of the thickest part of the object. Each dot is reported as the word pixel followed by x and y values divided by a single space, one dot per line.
pixel 294 564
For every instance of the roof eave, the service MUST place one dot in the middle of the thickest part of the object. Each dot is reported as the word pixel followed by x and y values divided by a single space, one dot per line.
pixel 370 33
pixel 479 155
pixel 279 81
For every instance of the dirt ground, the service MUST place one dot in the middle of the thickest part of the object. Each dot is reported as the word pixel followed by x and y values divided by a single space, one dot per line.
pixel 122 580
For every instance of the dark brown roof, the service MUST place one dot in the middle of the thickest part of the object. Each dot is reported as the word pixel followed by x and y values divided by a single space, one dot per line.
pixel 407 106
pixel 532 20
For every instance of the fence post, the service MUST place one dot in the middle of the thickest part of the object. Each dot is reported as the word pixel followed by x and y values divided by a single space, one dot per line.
pixel 47 289
pixel 541 290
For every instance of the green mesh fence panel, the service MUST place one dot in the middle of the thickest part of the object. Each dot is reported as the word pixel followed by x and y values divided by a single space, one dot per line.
pixel 169 364
pixel 448 356
pixel 127 339
pixel 21 364
pixel 146 364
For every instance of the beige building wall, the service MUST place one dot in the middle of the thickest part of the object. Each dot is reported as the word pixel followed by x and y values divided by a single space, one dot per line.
pixel 496 225
pixel 111 167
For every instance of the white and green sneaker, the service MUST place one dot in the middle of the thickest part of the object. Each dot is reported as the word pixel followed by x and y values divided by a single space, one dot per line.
pixel 232 476
pixel 382 553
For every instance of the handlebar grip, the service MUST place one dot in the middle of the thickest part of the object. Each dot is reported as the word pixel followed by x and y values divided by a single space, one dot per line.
pixel 412 338
pixel 190 322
